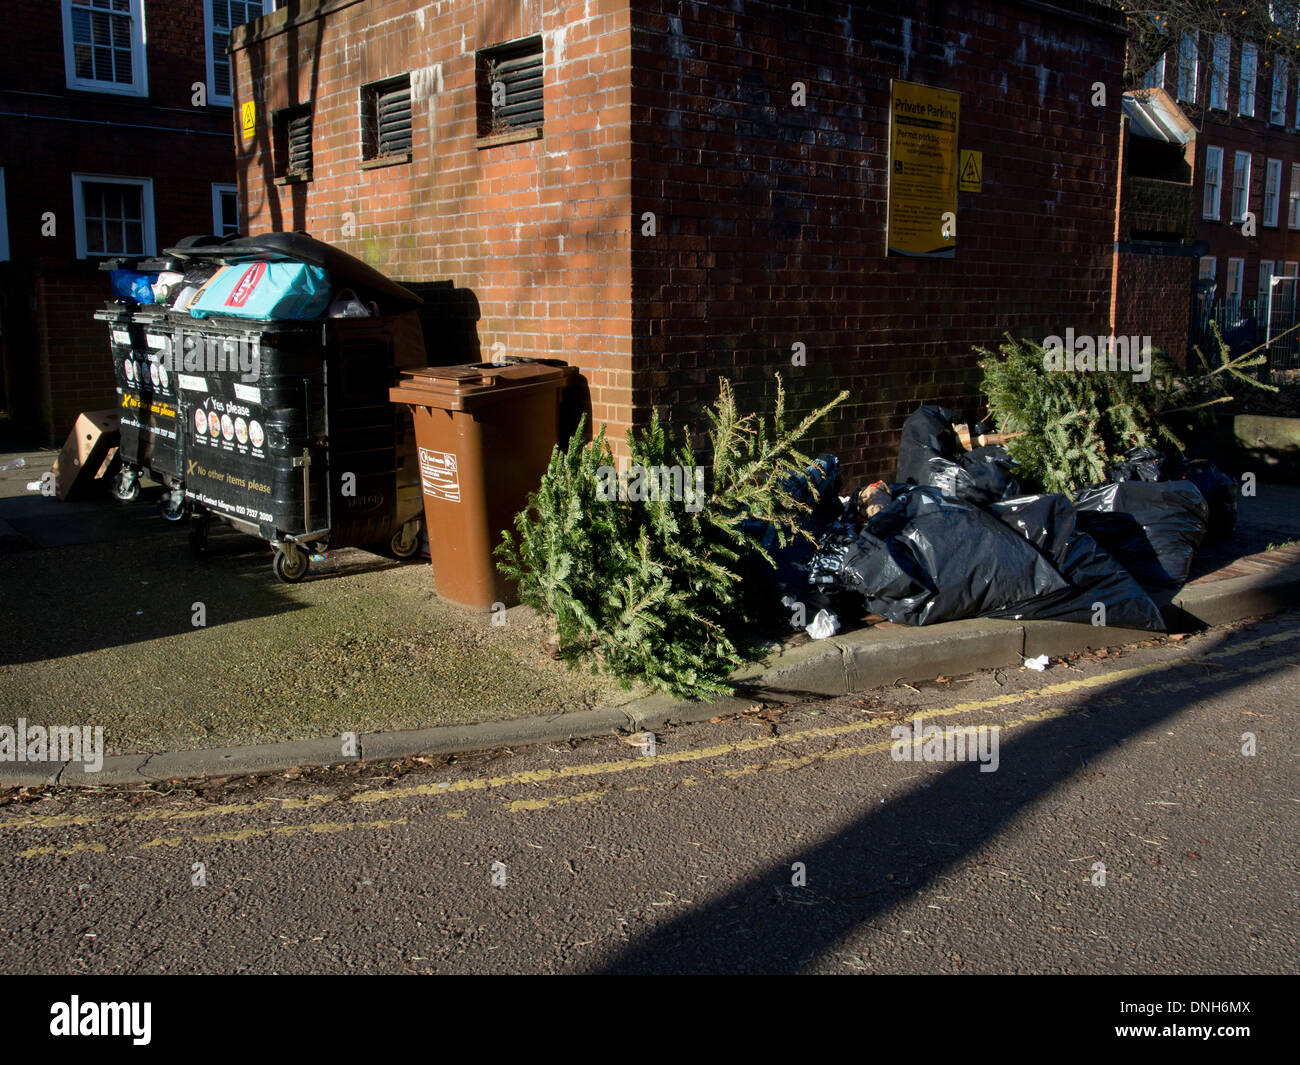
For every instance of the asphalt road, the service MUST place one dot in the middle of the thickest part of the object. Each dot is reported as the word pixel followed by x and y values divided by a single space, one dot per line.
pixel 615 860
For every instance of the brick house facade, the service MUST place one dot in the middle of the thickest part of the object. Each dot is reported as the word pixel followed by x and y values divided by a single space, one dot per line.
pixel 1245 105
pixel 107 145
pixel 679 213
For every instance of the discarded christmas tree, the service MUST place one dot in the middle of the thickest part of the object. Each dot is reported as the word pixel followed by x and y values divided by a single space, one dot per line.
pixel 642 575
pixel 1068 428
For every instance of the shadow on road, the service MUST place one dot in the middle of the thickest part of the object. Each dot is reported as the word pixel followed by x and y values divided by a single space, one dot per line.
pixel 897 850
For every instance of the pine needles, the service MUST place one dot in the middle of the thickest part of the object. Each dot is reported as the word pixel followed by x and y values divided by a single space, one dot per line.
pixel 1068 428
pixel 648 584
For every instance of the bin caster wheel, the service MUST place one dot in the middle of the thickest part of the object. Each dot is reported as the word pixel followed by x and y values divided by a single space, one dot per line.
pixel 290 564
pixel 126 485
pixel 173 506
pixel 400 546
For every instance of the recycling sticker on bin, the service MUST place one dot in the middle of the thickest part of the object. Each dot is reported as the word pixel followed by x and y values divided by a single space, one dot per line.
pixel 440 475
pixel 228 426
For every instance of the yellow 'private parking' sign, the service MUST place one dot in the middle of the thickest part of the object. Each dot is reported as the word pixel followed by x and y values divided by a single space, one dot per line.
pixel 922 212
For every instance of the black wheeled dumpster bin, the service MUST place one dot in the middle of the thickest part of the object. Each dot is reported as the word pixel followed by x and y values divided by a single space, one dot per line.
pixel 285 429
pixel 146 384
pixel 146 391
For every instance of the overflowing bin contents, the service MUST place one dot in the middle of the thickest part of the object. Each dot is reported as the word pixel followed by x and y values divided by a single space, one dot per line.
pixel 255 387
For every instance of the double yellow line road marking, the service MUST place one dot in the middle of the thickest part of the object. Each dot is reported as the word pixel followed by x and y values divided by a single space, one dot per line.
pixel 636 763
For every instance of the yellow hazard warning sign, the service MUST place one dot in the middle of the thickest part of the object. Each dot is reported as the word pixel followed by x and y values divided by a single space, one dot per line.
pixel 970 171
pixel 248 112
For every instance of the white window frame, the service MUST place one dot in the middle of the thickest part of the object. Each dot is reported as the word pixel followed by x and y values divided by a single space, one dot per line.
pixel 1209 268
pixel 217 190
pixel 1188 65
pixel 1293 199
pixel 1220 64
pixel 1235 281
pixel 1237 168
pixel 145 185
pixel 139 68
pixel 1264 293
pixel 1273 188
pixel 1287 306
pixel 1246 82
pixel 209 24
pixel 1277 102
pixel 1155 77
pixel 4 220
pixel 1213 165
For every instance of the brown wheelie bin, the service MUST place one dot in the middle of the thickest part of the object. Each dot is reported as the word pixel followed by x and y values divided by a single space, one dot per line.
pixel 484 434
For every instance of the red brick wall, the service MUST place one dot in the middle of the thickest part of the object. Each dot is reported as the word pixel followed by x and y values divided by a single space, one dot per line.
pixel 76 369
pixel 48 133
pixel 1153 296
pixel 535 233
pixel 772 218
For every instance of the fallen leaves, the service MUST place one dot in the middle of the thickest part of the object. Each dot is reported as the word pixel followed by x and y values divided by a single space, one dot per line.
pixel 767 717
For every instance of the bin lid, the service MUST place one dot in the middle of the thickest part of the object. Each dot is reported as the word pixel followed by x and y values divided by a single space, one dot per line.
pixel 468 386
pixel 344 269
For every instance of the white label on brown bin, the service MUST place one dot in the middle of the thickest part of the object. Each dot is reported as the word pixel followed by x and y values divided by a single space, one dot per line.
pixel 440 475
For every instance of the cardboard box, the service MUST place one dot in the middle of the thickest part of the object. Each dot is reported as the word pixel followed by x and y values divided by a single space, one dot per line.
pixel 87 454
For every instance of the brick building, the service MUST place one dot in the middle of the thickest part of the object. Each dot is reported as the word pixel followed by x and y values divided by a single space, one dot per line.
pixel 655 200
pixel 1244 104
pixel 115 138
pixel 1156 249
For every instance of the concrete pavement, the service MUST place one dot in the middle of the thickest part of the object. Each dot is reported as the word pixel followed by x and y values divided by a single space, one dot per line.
pixel 1227 588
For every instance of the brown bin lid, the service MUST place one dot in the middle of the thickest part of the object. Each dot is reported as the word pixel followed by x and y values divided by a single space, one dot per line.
pixel 465 387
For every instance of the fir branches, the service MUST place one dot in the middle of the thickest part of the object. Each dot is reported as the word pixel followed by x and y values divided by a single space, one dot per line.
pixel 1068 428
pixel 651 587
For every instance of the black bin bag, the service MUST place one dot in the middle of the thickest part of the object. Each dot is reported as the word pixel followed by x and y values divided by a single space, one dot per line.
pixel 926 559
pixel 1147 464
pixel 1220 490
pixel 1094 578
pixel 1220 493
pixel 1152 528
pixel 1048 522
pixel 818 487
pixel 927 433
pixel 930 453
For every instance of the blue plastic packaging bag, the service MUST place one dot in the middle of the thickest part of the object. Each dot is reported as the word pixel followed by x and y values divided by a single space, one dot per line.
pixel 265 290
pixel 132 286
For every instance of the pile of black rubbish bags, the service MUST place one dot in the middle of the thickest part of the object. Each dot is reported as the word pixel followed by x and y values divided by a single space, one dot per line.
pixel 954 537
